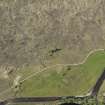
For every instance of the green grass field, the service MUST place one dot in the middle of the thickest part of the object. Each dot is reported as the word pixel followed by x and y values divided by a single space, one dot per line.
pixel 76 80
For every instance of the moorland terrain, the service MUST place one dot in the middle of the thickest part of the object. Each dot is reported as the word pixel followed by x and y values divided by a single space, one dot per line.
pixel 36 34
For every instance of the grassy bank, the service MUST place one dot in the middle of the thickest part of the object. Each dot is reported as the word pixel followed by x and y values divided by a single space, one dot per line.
pixel 73 80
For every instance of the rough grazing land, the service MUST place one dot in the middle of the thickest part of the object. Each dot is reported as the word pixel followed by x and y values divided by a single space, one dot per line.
pixel 39 33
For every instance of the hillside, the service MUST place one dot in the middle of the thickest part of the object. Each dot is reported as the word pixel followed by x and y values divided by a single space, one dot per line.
pixel 45 35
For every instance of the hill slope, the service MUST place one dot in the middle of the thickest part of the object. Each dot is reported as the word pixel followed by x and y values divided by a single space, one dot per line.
pixel 32 30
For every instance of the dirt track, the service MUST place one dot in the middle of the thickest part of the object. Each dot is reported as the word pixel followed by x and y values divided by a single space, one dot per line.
pixel 98 84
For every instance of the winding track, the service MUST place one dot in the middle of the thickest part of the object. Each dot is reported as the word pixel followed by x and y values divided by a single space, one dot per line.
pixel 98 84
